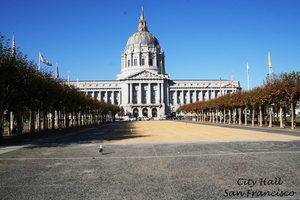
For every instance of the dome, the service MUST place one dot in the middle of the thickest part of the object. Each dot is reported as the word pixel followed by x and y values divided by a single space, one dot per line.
pixel 142 37
pixel 142 52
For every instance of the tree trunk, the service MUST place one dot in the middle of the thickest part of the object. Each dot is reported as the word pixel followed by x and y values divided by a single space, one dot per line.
pixel 293 124
pixel 80 118
pixel 19 123
pixel 1 126
pixel 271 116
pixel 1 122
pixel 229 116
pixel 246 116
pixel 45 120
pixel 11 122
pixel 38 121
pixel 53 121
pixel 224 116
pixel 253 116
pixel 67 119
pixel 265 115
pixel 260 116
pixel 240 116
pixel 58 120
pixel 32 121
pixel 280 117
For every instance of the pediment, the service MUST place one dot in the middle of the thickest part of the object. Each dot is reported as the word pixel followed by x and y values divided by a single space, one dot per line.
pixel 145 74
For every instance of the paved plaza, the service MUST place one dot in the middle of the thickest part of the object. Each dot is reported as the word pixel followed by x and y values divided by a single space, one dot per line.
pixel 155 160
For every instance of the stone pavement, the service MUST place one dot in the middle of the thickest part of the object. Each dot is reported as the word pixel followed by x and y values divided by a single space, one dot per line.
pixel 223 163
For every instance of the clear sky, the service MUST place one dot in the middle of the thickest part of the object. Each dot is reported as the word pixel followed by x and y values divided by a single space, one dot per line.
pixel 202 39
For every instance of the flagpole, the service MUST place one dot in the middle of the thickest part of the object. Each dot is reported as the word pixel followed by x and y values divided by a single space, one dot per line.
pixel 69 77
pixel 57 73
pixel 39 60
pixel 270 65
pixel 11 115
pixel 12 41
pixel 13 45
pixel 248 78
pixel 38 111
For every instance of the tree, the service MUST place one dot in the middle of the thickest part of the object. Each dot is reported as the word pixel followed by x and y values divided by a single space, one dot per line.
pixel 23 88
pixel 274 88
pixel 291 88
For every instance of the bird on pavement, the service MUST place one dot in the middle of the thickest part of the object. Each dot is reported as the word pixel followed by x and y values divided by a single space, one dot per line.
pixel 100 149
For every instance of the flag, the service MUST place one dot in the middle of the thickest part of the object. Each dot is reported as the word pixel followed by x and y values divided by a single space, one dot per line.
pixel 13 47
pixel 248 70
pixel 57 72
pixel 269 60
pixel 208 84
pixel 43 60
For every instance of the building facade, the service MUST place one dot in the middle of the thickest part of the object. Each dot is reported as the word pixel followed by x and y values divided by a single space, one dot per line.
pixel 143 88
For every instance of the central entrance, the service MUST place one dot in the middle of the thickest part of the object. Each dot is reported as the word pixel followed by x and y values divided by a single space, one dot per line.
pixel 145 112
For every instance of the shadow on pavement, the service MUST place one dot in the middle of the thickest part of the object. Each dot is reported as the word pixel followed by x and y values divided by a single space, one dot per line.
pixel 92 135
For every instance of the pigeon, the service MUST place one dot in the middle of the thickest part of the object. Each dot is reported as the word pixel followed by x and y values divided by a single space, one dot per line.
pixel 101 149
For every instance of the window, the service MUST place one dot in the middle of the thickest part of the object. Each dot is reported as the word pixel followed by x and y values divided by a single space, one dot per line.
pixel 143 61
pixel 135 62
pixel 150 61
pixel 128 63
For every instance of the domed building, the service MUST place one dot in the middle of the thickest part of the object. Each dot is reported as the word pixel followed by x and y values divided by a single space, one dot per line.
pixel 143 88
pixel 142 52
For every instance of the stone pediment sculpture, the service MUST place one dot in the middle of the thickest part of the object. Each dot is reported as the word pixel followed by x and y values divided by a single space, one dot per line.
pixel 144 74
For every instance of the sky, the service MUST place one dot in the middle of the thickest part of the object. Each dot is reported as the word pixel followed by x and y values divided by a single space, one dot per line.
pixel 202 39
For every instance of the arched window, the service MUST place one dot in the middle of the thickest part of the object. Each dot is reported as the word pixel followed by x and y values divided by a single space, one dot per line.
pixel 135 112
pixel 154 112
pixel 145 112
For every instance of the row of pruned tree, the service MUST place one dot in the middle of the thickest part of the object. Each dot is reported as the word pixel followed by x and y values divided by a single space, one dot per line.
pixel 24 89
pixel 279 92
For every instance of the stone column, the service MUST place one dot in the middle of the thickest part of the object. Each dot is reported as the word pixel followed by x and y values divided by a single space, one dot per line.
pixel 167 92
pixel 149 94
pixel 124 61
pixel 158 93
pixel 130 93
pixel 162 93
pixel 174 97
